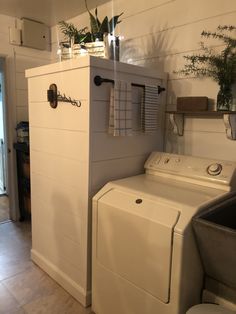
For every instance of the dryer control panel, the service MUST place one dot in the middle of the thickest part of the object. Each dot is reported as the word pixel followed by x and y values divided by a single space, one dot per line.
pixel 190 168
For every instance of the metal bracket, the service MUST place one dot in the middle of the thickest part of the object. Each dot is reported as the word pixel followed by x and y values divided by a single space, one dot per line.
pixel 54 96
pixel 229 119
pixel 177 122
pixel 230 125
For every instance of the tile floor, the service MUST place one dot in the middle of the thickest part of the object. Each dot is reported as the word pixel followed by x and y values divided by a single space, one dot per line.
pixel 24 287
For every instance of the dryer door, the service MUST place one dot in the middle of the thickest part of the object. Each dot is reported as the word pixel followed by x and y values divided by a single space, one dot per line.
pixel 134 240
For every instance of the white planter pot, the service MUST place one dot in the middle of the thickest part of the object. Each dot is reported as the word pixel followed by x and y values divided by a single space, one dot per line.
pixel 96 48
pixel 109 49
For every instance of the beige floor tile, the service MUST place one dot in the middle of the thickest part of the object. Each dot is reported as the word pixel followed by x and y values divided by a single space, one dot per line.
pixel 30 285
pixel 14 262
pixel 25 288
pixel 10 255
pixel 18 311
pixel 11 246
pixel 60 302
pixel 17 231
pixel 14 268
pixel 8 304
pixel 14 238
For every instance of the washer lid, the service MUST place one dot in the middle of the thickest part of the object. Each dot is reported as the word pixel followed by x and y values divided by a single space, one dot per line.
pixel 134 240
pixel 185 197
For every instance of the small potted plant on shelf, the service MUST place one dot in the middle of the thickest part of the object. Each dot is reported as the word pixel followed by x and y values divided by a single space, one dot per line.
pixel 220 66
pixel 74 39
pixel 102 41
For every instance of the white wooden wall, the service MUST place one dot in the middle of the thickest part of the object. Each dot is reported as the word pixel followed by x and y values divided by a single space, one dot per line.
pixel 17 60
pixel 26 58
pixel 157 33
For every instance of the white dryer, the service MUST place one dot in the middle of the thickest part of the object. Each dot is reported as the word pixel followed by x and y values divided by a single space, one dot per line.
pixel 145 260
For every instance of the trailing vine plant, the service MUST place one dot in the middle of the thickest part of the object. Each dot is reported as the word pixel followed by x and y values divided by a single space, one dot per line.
pixel 220 66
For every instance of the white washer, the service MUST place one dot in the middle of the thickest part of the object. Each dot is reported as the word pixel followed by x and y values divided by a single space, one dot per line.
pixel 145 260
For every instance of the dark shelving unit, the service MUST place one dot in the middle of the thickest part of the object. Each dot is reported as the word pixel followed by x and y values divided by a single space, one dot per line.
pixel 23 179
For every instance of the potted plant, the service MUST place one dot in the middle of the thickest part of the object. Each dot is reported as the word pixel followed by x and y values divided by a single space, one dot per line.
pixel 72 34
pixel 101 35
pixel 220 66
pixel 99 41
pixel 98 29
pixel 74 40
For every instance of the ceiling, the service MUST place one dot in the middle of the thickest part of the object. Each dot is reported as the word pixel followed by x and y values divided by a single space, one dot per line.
pixel 49 12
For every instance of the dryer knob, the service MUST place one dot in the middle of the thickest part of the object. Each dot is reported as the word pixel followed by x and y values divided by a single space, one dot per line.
pixel 214 169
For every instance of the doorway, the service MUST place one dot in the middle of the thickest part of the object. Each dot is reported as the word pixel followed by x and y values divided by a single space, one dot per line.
pixel 4 201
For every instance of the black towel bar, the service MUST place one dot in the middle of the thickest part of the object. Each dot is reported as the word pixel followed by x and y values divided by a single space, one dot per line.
pixel 98 80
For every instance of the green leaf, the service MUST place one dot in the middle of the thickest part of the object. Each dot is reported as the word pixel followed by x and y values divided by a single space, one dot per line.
pixel 113 22
pixel 99 28
pixel 93 24
pixel 104 28
pixel 97 19
pixel 71 32
pixel 68 29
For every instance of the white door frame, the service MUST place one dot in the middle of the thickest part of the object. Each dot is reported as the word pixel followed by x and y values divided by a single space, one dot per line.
pixel 10 136
pixel 3 87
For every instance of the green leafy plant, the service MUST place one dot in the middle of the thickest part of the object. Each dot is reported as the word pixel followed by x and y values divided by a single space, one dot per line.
pixel 71 33
pixel 220 66
pixel 98 29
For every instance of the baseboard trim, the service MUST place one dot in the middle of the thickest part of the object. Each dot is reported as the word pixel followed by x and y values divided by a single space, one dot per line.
pixel 84 297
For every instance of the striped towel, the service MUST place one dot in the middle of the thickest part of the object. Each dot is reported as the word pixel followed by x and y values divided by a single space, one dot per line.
pixel 120 119
pixel 149 109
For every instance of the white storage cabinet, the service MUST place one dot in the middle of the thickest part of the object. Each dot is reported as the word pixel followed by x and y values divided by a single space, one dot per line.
pixel 72 157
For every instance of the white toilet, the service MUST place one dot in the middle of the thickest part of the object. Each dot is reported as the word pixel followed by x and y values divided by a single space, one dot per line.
pixel 209 309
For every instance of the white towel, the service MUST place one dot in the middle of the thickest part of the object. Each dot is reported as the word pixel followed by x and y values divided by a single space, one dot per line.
pixel 120 119
pixel 149 109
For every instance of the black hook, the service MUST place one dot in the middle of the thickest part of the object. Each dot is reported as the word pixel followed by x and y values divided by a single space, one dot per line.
pixel 54 96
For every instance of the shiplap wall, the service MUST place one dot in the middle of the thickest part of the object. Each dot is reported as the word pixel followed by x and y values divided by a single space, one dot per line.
pixel 157 34
pixel 26 58
pixel 17 60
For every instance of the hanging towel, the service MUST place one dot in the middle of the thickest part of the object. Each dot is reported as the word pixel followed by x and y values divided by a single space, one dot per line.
pixel 120 119
pixel 149 109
